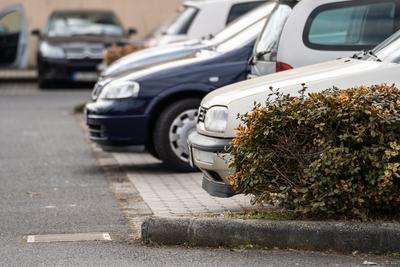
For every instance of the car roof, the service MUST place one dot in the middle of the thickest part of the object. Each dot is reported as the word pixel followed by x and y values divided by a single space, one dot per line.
pixel 80 12
pixel 203 2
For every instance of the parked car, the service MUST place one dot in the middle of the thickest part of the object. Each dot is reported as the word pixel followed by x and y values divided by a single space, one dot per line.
pixel 189 83
pixel 157 106
pixel 200 18
pixel 317 31
pixel 162 54
pixel 218 120
pixel 73 42
pixel 13 37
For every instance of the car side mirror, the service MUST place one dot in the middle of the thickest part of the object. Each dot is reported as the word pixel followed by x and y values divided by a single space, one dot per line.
pixel 132 31
pixel 36 32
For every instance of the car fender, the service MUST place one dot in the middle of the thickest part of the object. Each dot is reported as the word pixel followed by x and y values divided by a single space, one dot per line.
pixel 184 89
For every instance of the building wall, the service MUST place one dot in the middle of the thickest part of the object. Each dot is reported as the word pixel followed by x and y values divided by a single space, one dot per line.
pixel 144 15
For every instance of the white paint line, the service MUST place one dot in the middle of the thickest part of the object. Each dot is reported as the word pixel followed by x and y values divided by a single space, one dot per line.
pixel 106 236
pixel 69 237
pixel 31 239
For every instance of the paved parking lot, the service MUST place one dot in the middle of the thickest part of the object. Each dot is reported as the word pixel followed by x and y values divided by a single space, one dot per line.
pixel 170 194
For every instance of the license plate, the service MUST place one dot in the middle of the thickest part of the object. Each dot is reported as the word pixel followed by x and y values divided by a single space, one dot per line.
pixel 85 76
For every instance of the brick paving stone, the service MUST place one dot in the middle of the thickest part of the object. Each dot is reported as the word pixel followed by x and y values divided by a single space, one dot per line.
pixel 170 194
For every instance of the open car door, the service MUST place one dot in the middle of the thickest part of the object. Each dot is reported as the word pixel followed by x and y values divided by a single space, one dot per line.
pixel 13 37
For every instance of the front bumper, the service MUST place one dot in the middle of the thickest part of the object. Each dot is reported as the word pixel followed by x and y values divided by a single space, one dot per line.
pixel 211 156
pixel 82 70
pixel 117 122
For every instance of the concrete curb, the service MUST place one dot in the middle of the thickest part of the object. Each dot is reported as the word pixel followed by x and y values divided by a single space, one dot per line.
pixel 18 75
pixel 317 236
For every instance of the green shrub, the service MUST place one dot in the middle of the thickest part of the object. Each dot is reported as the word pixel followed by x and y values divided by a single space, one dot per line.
pixel 334 154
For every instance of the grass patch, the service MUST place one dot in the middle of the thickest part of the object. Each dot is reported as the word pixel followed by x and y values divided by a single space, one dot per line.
pixel 267 215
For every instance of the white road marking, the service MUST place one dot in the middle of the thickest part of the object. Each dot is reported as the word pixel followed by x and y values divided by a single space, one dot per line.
pixel 69 237
pixel 31 239
pixel 106 236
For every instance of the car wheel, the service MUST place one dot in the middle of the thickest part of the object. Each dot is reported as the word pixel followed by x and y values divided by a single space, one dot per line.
pixel 171 132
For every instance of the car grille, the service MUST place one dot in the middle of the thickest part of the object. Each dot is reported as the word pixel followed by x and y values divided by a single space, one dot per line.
pixel 96 131
pixel 202 115
pixel 93 51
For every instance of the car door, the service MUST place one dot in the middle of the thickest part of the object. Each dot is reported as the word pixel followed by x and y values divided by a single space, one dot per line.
pixel 13 37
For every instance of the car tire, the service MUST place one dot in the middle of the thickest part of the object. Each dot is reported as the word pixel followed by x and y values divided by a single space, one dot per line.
pixel 153 152
pixel 171 130
pixel 43 83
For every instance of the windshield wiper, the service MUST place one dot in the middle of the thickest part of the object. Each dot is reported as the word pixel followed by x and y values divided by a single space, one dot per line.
pixel 257 56
pixel 366 52
pixel 372 53
pixel 262 53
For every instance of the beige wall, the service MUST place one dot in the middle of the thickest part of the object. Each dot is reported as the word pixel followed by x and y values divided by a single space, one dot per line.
pixel 143 15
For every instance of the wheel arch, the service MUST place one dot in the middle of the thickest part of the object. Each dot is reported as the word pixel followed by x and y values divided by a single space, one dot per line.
pixel 166 99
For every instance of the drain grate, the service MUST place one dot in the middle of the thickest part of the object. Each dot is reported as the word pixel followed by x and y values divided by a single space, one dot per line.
pixel 69 237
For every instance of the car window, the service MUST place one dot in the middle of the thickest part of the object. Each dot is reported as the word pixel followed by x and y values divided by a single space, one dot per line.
pixel 84 23
pixel 351 25
pixel 238 10
pixel 178 24
pixel 269 37
pixel 10 30
pixel 243 22
pixel 389 50
pixel 10 23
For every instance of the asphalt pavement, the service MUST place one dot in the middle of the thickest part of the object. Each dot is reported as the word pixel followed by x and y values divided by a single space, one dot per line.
pixel 50 183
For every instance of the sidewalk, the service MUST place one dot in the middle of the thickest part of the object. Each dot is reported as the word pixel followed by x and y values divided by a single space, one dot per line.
pixel 171 194
pixel 19 75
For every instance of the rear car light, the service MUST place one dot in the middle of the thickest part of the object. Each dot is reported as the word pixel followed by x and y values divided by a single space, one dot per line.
pixel 280 66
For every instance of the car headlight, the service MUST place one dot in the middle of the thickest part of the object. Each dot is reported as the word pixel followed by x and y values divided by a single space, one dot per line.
pixel 120 89
pixel 51 51
pixel 216 119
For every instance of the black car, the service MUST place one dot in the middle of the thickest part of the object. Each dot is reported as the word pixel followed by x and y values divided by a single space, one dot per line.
pixel 73 43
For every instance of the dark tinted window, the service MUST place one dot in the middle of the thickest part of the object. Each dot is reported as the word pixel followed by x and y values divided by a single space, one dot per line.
pixel 241 9
pixel 10 28
pixel 350 25
pixel 84 23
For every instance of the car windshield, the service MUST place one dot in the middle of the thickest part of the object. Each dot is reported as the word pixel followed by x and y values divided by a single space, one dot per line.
pixel 179 23
pixel 241 38
pixel 268 40
pixel 84 23
pixel 388 50
pixel 243 22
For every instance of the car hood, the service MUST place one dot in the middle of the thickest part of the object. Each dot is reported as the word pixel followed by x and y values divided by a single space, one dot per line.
pixel 159 70
pixel 341 73
pixel 151 56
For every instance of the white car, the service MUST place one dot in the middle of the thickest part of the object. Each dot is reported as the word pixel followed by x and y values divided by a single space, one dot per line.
pixel 218 120
pixel 317 31
pixel 200 18
pixel 161 54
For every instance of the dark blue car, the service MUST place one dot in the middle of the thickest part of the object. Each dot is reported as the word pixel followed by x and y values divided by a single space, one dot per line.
pixel 157 107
